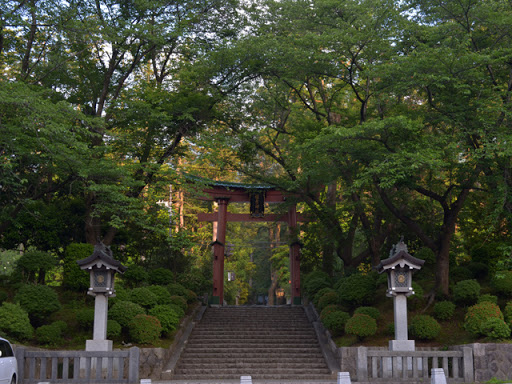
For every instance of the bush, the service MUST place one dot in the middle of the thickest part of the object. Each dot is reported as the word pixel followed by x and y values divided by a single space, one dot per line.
pixel 163 296
pixel 180 302
pixel 85 318
pixel 161 276
pixel 478 314
pixel 444 310
pixel 169 319
pixel 135 275
pixel 14 322
pixel 176 308
pixel 73 278
pixel 357 290
pixel 3 296
pixel 501 283
pixel 144 297
pixel 113 329
pixel 361 325
pixel 490 298
pixel 335 322
pixel 507 312
pixel 417 300
pixel 424 327
pixel 124 311
pixel 495 328
pixel 328 309
pixel 479 270
pixel 328 298
pixel 49 334
pixel 33 266
pixel 144 329
pixel 191 296
pixel 315 285
pixel 370 311
pixel 466 292
pixel 62 325
pixel 461 273
pixel 320 293
pixel 39 301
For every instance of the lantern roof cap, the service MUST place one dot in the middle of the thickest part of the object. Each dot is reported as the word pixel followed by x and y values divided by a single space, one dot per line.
pixel 400 256
pixel 101 257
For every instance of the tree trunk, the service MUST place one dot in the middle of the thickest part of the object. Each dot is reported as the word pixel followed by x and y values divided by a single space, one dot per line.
pixel 329 247
pixel 443 263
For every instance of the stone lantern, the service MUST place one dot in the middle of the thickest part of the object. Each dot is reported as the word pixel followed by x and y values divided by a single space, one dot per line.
pixel 399 267
pixel 102 268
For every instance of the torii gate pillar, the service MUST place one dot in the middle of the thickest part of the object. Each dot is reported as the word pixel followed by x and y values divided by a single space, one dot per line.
pixel 218 253
pixel 294 257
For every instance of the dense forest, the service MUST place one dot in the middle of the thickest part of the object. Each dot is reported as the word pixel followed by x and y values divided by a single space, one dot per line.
pixel 383 118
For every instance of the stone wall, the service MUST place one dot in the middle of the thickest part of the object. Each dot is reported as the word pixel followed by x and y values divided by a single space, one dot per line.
pixel 151 362
pixel 492 360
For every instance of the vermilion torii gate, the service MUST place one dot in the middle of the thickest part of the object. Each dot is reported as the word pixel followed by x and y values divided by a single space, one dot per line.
pixel 257 195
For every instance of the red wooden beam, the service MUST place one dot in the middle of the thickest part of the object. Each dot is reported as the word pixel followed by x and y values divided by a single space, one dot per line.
pixel 239 217
pixel 240 196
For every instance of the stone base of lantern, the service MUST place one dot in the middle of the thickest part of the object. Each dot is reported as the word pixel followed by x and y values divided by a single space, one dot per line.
pixel 401 345
pixel 98 345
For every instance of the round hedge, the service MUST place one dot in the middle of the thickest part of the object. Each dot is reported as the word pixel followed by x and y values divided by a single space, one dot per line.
pixel 328 298
pixel 169 318
pixel 113 329
pixel 357 290
pixel 487 297
pixel 124 311
pixel 361 325
pixel 424 327
pixel 335 322
pixel 144 297
pixel 507 312
pixel 180 301
pixel 444 310
pixel 40 301
pixel 330 308
pixel 144 329
pixel 14 322
pixel 85 318
pixel 370 311
pixel 161 276
pixel 501 283
pixel 74 278
pixel 163 296
pixel 135 275
pixel 320 293
pixel 50 334
pixel 466 292
pixel 495 328
pixel 478 314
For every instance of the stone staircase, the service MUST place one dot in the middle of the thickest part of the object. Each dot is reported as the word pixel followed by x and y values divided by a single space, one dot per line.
pixel 266 343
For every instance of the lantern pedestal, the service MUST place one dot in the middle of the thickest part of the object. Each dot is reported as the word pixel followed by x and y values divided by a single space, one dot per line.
pixel 401 342
pixel 99 342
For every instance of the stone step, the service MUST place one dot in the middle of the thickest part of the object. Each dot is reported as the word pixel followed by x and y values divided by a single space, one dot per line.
pixel 251 359
pixel 257 372
pixel 250 365
pixel 306 378
pixel 250 342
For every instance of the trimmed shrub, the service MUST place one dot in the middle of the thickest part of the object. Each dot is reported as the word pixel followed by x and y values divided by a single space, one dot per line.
pixel 134 276
pixel 507 312
pixel 466 292
pixel 479 270
pixel 163 296
pixel 328 299
pixel 461 273
pixel 124 311
pixel 335 322
pixel 495 329
pixel 39 301
pixel 357 290
pixel 161 276
pixel 113 329
pixel 62 325
pixel 144 329
pixel 417 300
pixel 361 325
pixel 424 327
pixel 191 296
pixel 478 314
pixel 73 278
pixel 180 301
pixel 176 289
pixel 33 266
pixel 85 318
pixel 501 283
pixel 3 296
pixel 176 308
pixel 320 293
pixel 490 298
pixel 315 285
pixel 144 297
pixel 328 309
pixel 14 322
pixel 444 310
pixel 370 311
pixel 49 334
pixel 169 319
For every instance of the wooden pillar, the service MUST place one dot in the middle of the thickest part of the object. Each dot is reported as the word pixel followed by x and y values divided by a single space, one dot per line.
pixel 218 253
pixel 294 257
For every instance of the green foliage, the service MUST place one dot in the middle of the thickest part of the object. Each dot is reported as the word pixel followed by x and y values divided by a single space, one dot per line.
pixel 144 297
pixel 370 311
pixel 444 310
pixel 479 270
pixel 417 300
pixel 507 312
pixel 14 322
pixel 162 294
pixel 39 301
pixel 478 314
pixel 424 327
pixel 144 329
pixel 501 283
pixel 315 281
pixel 176 289
pixel 178 309
pixel 328 309
pixel 85 318
pixel 169 318
pixel 320 293
pixel 73 278
pixel 487 297
pixel 134 276
pixel 50 334
pixel 124 311
pixel 161 276
pixel 180 301
pixel 328 298
pixel 335 322
pixel 361 325
pixel 8 260
pixel 33 265
pixel 495 328
pixel 357 289
pixel 3 296
pixel 461 273
pixel 61 324
pixel 466 292
pixel 113 329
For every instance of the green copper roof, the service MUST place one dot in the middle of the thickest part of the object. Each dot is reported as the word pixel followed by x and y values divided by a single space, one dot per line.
pixel 229 184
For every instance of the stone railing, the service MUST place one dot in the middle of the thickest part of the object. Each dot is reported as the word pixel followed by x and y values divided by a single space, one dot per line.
pixel 78 366
pixel 396 366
